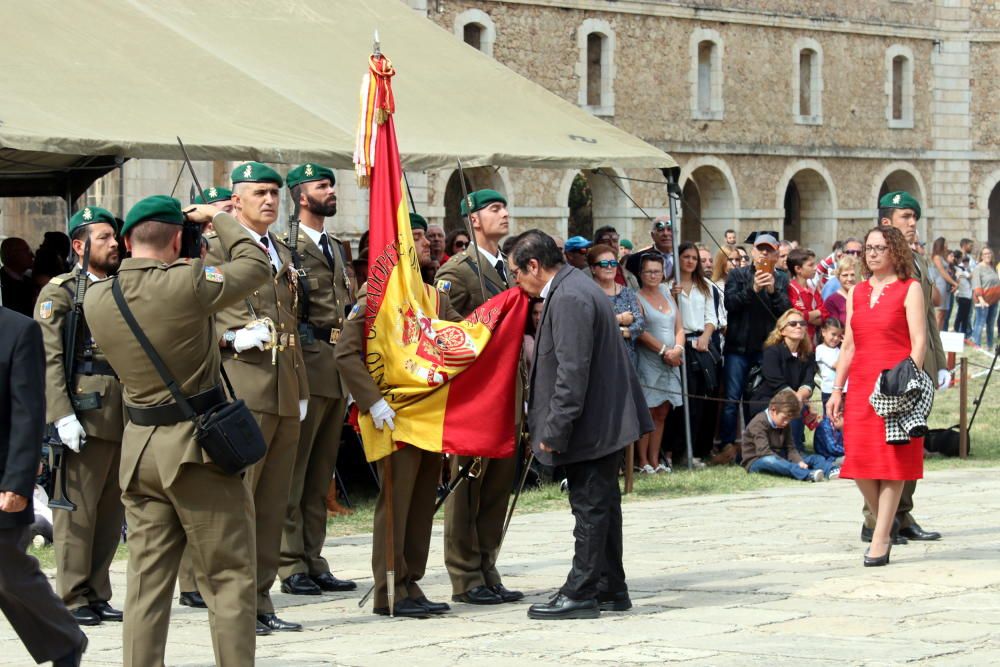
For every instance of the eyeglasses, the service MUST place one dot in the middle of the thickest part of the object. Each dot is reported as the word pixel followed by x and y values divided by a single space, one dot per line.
pixel 876 249
pixel 653 272
pixel 796 323
pixel 662 226
pixel 606 263
pixel 856 253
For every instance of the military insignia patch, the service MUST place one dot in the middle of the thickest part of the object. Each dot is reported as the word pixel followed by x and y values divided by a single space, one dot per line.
pixel 88 214
pixel 248 172
pixel 213 275
pixel 444 286
pixel 309 170
pixel 212 192
pixel 45 310
pixel 895 200
pixel 354 312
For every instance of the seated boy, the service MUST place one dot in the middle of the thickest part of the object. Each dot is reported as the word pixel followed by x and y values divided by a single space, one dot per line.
pixel 768 446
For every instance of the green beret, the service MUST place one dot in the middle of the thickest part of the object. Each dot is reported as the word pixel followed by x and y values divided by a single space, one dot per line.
pixel 417 222
pixel 900 199
pixel 255 172
pixel 90 215
pixel 160 208
pixel 307 172
pixel 212 195
pixel 481 199
pixel 625 243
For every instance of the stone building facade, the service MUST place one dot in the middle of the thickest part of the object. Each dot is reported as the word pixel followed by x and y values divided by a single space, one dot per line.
pixel 791 115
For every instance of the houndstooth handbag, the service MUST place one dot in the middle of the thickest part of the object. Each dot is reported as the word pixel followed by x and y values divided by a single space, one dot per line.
pixel 903 396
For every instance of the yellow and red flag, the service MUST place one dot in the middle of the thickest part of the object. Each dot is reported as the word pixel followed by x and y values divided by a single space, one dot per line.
pixel 452 384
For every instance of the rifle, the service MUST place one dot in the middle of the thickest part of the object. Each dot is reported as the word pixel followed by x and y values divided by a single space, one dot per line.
pixel 468 227
pixel 80 402
pixel 305 329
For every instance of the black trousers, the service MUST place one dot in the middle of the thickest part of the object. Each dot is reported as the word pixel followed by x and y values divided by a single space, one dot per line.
pixel 38 617
pixel 596 502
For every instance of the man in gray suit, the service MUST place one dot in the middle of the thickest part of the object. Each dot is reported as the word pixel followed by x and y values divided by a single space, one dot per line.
pixel 38 617
pixel 585 407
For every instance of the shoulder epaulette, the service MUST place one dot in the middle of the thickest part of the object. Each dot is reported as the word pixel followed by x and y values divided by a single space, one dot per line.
pixel 59 280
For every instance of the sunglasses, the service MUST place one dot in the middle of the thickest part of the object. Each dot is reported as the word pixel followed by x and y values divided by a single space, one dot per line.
pixel 661 226
pixel 461 244
pixel 606 263
pixel 856 253
pixel 796 323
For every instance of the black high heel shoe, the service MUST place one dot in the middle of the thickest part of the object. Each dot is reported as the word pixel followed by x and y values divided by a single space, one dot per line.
pixel 880 560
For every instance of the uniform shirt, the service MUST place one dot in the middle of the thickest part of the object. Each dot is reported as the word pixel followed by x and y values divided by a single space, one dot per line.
pixel 272 252
pixel 493 259
pixel 315 236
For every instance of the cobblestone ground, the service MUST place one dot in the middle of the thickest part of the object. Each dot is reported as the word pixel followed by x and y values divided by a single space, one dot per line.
pixel 770 577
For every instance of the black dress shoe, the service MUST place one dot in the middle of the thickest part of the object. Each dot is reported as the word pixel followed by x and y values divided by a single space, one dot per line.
pixel 299 584
pixel 505 594
pixel 561 607
pixel 405 608
pixel 897 538
pixel 332 584
pixel 618 601
pixel 478 595
pixel 277 625
pixel 193 599
pixel 106 611
pixel 73 658
pixel 262 630
pixel 915 532
pixel 432 607
pixel 880 560
pixel 86 616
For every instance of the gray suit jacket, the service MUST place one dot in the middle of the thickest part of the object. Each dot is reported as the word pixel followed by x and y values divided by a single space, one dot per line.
pixel 585 396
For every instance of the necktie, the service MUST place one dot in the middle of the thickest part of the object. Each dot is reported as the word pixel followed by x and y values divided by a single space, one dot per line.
pixel 266 242
pixel 500 269
pixel 324 244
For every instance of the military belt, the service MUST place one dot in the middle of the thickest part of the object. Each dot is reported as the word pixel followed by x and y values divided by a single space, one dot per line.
pixel 326 334
pixel 95 368
pixel 165 415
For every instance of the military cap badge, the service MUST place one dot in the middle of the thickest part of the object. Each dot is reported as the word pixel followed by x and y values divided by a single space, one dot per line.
pixel 212 192
pixel 895 200
pixel 87 214
pixel 248 172
pixel 309 170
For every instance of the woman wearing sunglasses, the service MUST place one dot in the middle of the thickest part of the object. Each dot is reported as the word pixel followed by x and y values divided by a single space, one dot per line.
pixel 604 267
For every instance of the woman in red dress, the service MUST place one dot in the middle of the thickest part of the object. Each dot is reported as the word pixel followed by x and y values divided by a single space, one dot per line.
pixel 885 323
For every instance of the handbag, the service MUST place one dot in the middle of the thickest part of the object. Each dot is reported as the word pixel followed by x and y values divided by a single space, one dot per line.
pixel 226 432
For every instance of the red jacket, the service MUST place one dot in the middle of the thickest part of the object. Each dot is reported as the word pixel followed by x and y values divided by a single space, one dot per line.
pixel 804 300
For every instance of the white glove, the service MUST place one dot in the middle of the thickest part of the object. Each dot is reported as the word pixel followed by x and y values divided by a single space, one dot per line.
pixel 256 336
pixel 382 415
pixel 303 408
pixel 943 378
pixel 71 432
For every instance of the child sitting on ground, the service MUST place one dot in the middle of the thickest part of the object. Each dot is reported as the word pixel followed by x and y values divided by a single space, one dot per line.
pixel 768 446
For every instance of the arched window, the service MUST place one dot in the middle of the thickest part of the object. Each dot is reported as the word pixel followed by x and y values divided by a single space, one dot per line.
pixel 706 75
pixel 476 28
pixel 807 82
pixel 596 67
pixel 899 86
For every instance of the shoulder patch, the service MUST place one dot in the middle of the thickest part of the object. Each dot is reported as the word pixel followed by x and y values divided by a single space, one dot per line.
pixel 59 280
pixel 444 286
pixel 213 274
pixel 354 312
pixel 45 310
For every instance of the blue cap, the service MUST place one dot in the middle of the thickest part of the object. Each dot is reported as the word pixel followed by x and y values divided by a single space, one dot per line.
pixel 576 243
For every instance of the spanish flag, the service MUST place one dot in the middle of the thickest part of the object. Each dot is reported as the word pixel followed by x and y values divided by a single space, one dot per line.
pixel 452 384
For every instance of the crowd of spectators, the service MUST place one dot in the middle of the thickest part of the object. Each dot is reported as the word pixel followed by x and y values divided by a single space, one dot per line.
pixel 25 272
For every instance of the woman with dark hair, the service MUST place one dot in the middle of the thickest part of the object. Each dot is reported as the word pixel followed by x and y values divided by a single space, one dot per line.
pixel 604 267
pixel 699 318
pixel 660 353
pixel 456 241
pixel 886 322
pixel 531 328
pixel 941 273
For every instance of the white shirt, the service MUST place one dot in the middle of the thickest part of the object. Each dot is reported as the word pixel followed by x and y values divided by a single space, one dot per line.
pixel 272 252
pixel 697 310
pixel 313 235
pixel 826 360
pixel 545 290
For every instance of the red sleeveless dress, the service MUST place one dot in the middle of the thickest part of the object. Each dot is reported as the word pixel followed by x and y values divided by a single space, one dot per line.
pixel 881 340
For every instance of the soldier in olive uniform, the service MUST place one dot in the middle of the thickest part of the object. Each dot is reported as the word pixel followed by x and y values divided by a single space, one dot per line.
pixel 475 511
pixel 902 211
pixel 324 299
pixel 272 382
pixel 220 198
pixel 173 494
pixel 88 417
pixel 415 471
